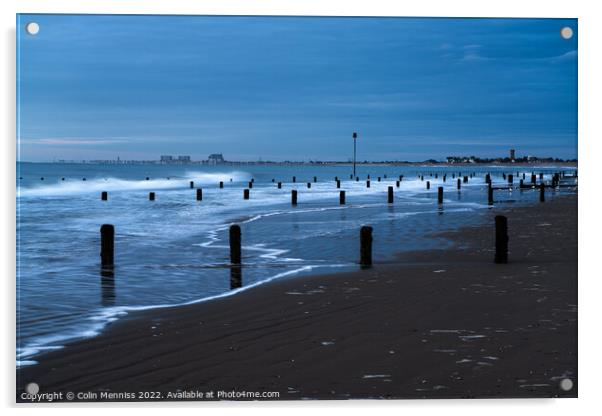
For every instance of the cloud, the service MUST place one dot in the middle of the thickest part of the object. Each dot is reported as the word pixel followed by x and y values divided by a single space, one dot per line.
pixel 71 141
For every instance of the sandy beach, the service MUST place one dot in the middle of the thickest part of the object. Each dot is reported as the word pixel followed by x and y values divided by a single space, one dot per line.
pixel 431 324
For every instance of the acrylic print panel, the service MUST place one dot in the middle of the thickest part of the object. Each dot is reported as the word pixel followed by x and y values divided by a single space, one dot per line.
pixel 285 208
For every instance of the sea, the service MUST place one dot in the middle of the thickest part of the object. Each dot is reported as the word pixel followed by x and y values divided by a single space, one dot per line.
pixel 175 250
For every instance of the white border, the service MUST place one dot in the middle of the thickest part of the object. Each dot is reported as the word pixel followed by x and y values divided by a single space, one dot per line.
pixel 590 137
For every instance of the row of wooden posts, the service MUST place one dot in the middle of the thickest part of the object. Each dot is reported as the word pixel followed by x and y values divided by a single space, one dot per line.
pixel 107 244
pixel 390 196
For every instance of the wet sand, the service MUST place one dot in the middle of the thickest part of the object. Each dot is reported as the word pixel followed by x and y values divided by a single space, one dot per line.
pixel 433 324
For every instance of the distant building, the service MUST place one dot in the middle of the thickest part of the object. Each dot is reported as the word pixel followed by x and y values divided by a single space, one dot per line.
pixel 166 159
pixel 512 154
pixel 184 159
pixel 216 159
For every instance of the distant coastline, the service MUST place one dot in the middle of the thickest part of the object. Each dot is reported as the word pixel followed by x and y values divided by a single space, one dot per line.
pixel 493 162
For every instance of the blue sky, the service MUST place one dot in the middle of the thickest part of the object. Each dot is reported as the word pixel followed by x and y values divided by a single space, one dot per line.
pixel 295 88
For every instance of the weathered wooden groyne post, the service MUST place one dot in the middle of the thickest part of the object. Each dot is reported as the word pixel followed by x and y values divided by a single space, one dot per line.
pixel 294 179
pixel 465 179
pixel 428 184
pixel 104 196
pixel 235 244
pixel 107 245
pixel 397 184
pixel 250 184
pixel 487 178
pixel 366 246
pixel 294 197
pixel 342 198
pixel 245 194
pixel 235 257
pixel 315 179
pixel 510 179
pixel 338 183
pixel 390 195
pixel 378 179
pixel 440 195
pixel 501 239
pixel 444 177
pixel 489 194
pixel 308 185
pixel 199 194
pixel 279 185
pixel 221 184
pixel 521 184
pixel 151 196
pixel 368 183
pixel 542 192
pixel 533 179
pixel 191 184
pixel 459 184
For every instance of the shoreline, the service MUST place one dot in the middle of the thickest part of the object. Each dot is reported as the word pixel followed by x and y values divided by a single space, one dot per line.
pixel 148 349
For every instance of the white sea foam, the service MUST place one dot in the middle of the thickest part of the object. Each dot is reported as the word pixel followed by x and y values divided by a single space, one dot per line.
pixel 95 185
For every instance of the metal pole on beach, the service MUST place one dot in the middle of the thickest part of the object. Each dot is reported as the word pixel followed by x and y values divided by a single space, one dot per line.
pixel 354 150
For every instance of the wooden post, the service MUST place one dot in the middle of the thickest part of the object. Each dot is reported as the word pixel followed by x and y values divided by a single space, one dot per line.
pixel 107 245
pixel 510 179
pixel 104 195
pixel 501 239
pixel 221 184
pixel 315 179
pixel 250 184
pixel 199 194
pixel 235 257
pixel 487 178
pixel 390 195
pixel 397 184
pixel 400 178
pixel 521 184
pixel 151 196
pixel 440 195
pixel 294 179
pixel 279 185
pixel 422 177
pixel 191 184
pixel 308 185
pixel 368 183
pixel 465 179
pixel 235 251
pixel 351 176
pixel 245 194
pixel 338 183
pixel 294 197
pixel 428 184
pixel 366 246
pixel 533 179
pixel 378 179
pixel 541 176
pixel 342 198
pixel 357 178
pixel 490 194
pixel 459 184
pixel 444 178
pixel 542 192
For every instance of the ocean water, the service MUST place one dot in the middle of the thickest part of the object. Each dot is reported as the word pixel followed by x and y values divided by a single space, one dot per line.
pixel 174 250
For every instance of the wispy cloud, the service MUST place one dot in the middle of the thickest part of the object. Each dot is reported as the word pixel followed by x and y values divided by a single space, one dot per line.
pixel 72 141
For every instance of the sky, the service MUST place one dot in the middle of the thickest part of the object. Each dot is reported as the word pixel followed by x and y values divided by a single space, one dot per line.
pixel 294 88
